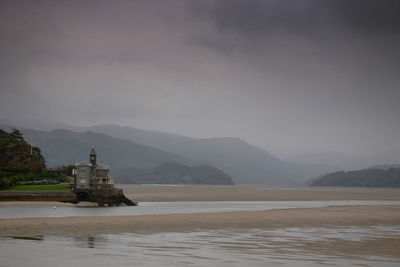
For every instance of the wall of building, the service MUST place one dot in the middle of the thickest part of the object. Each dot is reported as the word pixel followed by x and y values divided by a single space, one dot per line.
pixel 83 177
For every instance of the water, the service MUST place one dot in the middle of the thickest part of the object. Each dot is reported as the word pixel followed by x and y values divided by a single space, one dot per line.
pixel 307 246
pixel 255 247
pixel 148 208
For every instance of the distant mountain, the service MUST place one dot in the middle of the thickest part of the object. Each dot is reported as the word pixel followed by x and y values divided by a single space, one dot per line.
pixel 385 166
pixel 245 163
pixel 129 162
pixel 371 177
pixel 126 147
pixel 333 160
pixel 65 147
pixel 174 173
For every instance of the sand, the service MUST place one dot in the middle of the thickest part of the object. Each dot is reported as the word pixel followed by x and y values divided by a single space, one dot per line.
pixel 329 217
pixel 89 226
pixel 147 193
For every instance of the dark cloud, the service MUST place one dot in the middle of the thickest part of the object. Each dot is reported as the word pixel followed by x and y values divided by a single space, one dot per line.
pixel 291 76
pixel 258 17
pixel 255 20
pixel 368 16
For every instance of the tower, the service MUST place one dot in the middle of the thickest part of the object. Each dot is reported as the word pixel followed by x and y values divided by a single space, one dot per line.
pixel 93 157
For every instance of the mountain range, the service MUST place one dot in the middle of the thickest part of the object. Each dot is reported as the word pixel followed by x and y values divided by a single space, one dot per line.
pixel 127 147
pixel 245 163
pixel 174 173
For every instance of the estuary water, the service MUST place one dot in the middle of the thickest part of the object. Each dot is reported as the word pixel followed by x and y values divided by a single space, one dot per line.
pixel 297 246
pixel 151 208
pixel 254 247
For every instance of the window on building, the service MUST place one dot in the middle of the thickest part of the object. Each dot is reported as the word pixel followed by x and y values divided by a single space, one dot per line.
pixel 82 181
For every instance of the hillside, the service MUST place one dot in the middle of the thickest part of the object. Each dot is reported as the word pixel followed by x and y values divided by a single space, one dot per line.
pixel 61 147
pixel 17 160
pixel 16 156
pixel 245 163
pixel 174 173
pixel 125 147
pixel 129 162
pixel 371 177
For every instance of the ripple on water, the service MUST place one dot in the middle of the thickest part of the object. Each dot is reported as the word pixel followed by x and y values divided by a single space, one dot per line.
pixel 148 208
pixel 307 246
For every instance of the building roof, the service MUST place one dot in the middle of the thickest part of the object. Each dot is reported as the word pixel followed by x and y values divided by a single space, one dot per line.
pixel 102 166
pixel 83 163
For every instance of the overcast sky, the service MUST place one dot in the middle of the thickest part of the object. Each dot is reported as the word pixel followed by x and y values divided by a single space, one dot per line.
pixel 290 76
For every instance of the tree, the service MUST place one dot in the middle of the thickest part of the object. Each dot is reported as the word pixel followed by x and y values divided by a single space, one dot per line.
pixel 17 134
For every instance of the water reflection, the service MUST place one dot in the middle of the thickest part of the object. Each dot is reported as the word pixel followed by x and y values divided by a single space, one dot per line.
pixel 89 241
pixel 36 238
pixel 346 246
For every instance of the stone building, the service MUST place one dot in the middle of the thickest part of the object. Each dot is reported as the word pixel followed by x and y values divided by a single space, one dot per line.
pixel 90 175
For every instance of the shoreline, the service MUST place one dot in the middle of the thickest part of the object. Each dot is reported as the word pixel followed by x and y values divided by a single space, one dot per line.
pixel 201 193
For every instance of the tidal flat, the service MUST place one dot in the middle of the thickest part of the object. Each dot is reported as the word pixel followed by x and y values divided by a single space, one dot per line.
pixel 347 234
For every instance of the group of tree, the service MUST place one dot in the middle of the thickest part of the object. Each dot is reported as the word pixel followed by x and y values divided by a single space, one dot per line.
pixel 372 177
pixel 175 173
pixel 21 163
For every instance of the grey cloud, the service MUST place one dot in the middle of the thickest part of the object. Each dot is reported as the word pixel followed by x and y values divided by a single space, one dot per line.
pixel 367 15
pixel 310 18
pixel 289 76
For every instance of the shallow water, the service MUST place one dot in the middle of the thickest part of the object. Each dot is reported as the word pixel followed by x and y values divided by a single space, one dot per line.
pixel 147 208
pixel 283 247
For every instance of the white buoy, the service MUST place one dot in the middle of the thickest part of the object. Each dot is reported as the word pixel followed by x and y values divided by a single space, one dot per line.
pixel 54 207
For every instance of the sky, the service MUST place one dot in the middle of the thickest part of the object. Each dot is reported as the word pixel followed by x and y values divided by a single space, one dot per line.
pixel 290 76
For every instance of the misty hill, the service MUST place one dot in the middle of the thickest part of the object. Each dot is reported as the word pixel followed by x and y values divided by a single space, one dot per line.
pixel 130 162
pixel 371 177
pixel 61 147
pixel 174 173
pixel 385 166
pixel 245 163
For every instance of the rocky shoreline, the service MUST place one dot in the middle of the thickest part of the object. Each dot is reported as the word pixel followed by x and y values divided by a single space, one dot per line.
pixel 113 197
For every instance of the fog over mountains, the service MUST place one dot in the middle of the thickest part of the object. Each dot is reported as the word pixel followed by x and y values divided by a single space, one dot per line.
pixel 126 147
pixel 247 164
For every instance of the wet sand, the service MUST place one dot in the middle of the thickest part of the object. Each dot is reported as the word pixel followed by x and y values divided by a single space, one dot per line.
pixel 151 193
pixel 329 216
pixel 325 217
pixel 273 219
pixel 148 193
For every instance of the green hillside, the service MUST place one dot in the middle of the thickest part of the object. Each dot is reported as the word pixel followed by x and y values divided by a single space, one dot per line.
pixel 17 160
